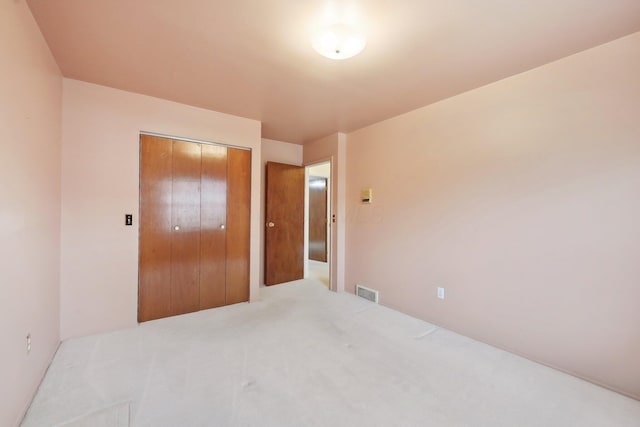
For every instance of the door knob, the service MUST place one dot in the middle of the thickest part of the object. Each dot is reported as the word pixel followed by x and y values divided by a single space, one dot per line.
pixel 177 227
pixel 270 225
pixel 222 227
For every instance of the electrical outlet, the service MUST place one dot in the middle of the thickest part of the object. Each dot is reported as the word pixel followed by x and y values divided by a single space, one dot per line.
pixel 441 293
pixel 28 343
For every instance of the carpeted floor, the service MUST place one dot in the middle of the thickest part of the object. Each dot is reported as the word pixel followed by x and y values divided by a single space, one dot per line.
pixel 305 356
pixel 319 271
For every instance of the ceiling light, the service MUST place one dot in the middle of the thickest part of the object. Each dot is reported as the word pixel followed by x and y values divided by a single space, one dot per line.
pixel 338 41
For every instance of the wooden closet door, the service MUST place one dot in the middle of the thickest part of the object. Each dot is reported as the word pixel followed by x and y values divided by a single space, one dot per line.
pixel 238 224
pixel 213 224
pixel 194 226
pixel 185 232
pixel 154 287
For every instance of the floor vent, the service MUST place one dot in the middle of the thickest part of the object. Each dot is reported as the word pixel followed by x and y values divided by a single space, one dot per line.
pixel 367 293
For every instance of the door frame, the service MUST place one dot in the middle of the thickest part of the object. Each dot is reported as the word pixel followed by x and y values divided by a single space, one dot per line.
pixel 331 202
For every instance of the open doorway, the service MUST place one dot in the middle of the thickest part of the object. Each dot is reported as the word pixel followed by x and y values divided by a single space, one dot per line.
pixel 317 222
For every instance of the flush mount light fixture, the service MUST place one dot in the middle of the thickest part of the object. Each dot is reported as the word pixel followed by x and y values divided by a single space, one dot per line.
pixel 338 41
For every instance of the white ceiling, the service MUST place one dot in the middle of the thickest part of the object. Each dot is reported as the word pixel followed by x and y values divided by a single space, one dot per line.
pixel 253 58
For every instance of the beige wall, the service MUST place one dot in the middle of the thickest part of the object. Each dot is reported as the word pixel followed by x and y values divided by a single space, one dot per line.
pixel 30 123
pixel 100 164
pixel 333 148
pixel 522 199
pixel 280 152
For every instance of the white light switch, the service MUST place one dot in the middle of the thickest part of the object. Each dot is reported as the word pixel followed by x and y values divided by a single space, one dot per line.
pixel 365 195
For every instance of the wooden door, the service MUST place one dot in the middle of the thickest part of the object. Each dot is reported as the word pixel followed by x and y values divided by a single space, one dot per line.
pixel 213 220
pixel 238 225
pixel 318 218
pixel 185 238
pixel 154 287
pixel 169 253
pixel 284 234
pixel 194 226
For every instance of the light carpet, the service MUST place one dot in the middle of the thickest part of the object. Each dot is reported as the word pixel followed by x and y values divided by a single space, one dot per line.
pixel 319 270
pixel 305 356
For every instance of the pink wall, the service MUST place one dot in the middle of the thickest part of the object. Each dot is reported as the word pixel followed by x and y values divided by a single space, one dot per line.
pixel 522 199
pixel 333 148
pixel 30 126
pixel 100 164
pixel 281 152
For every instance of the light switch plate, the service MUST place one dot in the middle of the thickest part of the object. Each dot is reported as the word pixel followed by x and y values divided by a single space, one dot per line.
pixel 366 195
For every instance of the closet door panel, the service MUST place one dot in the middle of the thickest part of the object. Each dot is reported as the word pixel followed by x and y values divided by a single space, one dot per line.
pixel 238 224
pixel 213 221
pixel 154 287
pixel 185 238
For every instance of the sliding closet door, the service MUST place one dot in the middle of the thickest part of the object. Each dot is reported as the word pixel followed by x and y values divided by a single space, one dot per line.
pixel 154 289
pixel 238 224
pixel 213 226
pixel 194 226
pixel 185 217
